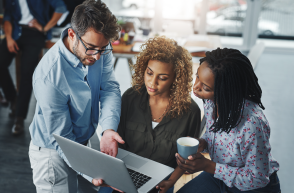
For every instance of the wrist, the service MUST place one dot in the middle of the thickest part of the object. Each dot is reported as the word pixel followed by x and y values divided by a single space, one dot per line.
pixel 209 166
pixel 107 130
pixel 172 180
pixel 8 37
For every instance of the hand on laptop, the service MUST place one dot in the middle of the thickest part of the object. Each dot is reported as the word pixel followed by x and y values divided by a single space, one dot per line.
pixel 108 144
pixel 165 185
pixel 100 182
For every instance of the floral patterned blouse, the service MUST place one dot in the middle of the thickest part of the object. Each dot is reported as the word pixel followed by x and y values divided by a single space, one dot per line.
pixel 243 157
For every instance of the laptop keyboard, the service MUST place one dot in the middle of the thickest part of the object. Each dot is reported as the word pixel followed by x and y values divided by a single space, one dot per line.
pixel 138 178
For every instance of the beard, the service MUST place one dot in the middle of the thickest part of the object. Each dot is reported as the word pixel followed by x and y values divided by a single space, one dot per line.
pixel 82 57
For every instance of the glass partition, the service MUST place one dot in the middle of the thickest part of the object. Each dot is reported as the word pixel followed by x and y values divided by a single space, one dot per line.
pixel 276 19
pixel 226 17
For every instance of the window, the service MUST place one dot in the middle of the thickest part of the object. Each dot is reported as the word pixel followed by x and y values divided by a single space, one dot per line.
pixel 226 17
pixel 276 19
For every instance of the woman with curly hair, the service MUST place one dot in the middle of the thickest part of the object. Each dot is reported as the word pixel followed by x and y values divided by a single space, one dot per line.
pixel 158 109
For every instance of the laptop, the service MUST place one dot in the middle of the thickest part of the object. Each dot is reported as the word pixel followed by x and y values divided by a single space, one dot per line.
pixel 127 172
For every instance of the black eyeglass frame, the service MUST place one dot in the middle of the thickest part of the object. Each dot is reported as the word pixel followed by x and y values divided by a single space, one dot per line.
pixel 98 51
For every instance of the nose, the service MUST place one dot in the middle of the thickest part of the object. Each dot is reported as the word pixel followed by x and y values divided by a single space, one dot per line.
pixel 196 85
pixel 97 56
pixel 153 81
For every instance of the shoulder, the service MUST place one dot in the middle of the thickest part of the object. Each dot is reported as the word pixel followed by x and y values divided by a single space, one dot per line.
pixel 50 67
pixel 130 94
pixel 194 108
pixel 47 63
pixel 253 120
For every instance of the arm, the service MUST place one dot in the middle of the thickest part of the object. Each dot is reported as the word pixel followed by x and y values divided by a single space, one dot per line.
pixel 56 114
pixel 193 129
pixel 11 44
pixel 122 124
pixel 59 8
pixel 254 148
pixel 167 184
pixel 53 21
pixel 255 151
pixel 110 103
pixel 110 96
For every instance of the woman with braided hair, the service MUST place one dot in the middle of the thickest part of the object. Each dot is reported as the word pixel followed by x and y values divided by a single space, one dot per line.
pixel 237 135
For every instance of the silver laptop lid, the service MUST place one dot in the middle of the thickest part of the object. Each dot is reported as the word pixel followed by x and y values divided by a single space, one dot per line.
pixel 84 159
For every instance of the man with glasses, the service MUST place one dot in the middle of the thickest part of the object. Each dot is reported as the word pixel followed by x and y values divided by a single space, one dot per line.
pixel 70 81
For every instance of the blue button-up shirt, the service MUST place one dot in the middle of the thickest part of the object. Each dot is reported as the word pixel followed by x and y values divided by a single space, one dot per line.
pixel 39 10
pixel 68 96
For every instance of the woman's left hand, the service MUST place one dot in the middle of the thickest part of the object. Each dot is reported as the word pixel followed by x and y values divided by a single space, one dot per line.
pixel 165 185
pixel 195 163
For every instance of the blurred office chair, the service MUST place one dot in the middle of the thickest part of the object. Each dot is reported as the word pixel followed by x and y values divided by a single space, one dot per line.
pixel 255 53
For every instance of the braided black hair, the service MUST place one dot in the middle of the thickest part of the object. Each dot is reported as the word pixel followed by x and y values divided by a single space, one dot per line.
pixel 234 82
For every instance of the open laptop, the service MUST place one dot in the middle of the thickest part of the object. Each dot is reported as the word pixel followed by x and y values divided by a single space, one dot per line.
pixel 127 172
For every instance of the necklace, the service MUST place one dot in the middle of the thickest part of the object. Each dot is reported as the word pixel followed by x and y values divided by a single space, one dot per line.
pixel 160 116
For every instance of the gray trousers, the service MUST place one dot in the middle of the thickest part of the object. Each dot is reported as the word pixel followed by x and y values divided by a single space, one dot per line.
pixel 52 174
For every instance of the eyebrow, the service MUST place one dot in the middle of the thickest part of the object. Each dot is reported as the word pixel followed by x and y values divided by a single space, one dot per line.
pixel 95 45
pixel 202 82
pixel 159 74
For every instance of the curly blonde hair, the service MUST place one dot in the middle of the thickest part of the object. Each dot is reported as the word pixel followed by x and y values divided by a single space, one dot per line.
pixel 168 51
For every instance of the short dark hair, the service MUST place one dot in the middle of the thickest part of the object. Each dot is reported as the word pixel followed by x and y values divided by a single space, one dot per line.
pixel 95 14
pixel 234 82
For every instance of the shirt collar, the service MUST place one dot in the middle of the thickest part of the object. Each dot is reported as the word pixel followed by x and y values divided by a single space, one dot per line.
pixel 70 57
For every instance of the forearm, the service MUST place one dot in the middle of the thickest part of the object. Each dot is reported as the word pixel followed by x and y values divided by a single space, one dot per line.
pixel 178 172
pixel 8 29
pixel 56 16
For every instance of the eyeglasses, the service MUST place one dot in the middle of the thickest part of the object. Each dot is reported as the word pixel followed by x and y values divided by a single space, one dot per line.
pixel 91 52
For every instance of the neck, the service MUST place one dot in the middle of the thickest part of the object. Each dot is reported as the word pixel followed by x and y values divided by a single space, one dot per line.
pixel 159 99
pixel 67 43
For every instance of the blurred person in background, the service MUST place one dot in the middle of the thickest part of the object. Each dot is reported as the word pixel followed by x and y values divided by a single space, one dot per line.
pixel 27 25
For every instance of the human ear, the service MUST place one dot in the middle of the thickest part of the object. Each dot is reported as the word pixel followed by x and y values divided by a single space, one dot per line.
pixel 71 34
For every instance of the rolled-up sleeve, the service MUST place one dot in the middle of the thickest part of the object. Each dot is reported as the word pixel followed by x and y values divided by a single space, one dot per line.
pixel 7 12
pixel 110 96
pixel 58 6
pixel 55 110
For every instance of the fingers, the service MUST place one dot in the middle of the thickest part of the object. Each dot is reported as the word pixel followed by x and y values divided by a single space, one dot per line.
pixel 13 47
pixel 180 158
pixel 111 149
pixel 16 46
pixel 114 152
pixel 184 166
pixel 13 50
pixel 97 182
pixel 195 156
pixel 118 138
pixel 32 23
